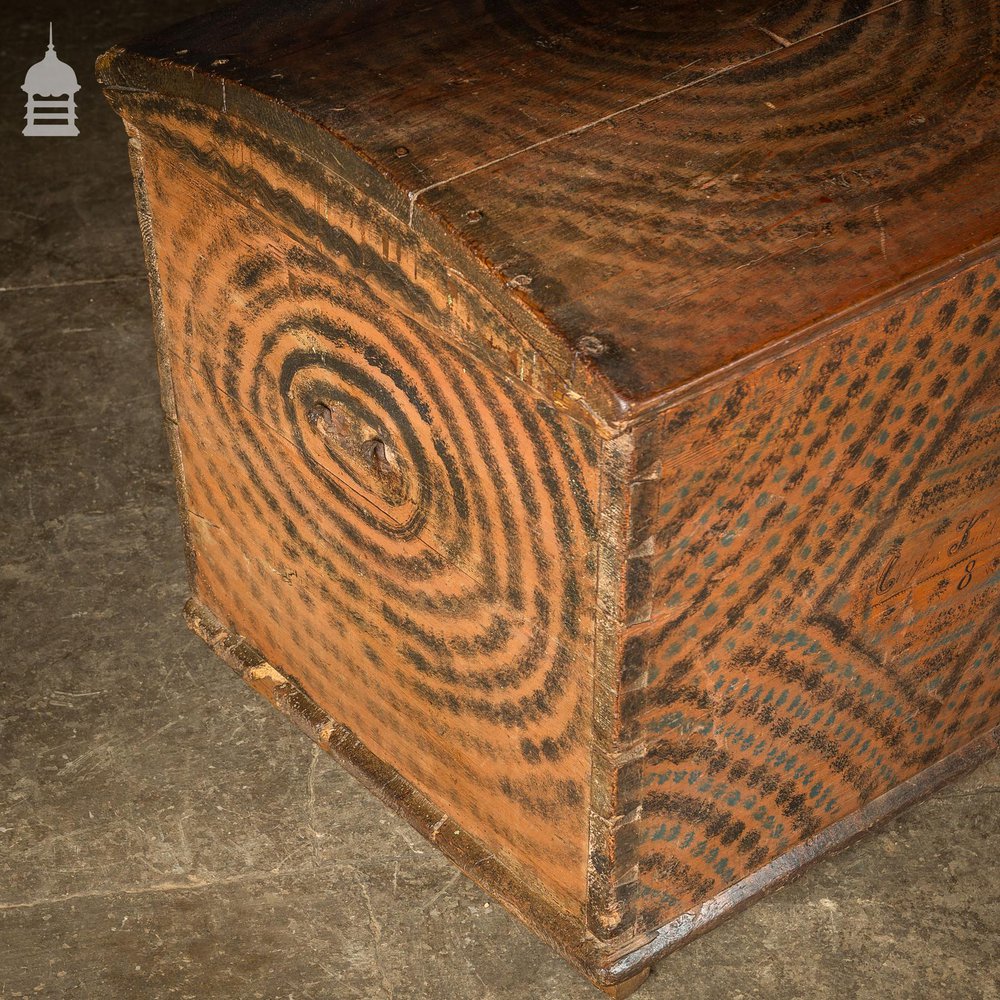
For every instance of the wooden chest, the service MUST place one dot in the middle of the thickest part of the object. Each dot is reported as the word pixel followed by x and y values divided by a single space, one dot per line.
pixel 587 419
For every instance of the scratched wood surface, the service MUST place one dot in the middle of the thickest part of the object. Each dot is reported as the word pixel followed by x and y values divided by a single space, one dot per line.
pixel 345 472
pixel 680 183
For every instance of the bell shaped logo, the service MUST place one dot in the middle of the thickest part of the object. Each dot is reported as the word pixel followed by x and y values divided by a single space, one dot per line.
pixel 51 87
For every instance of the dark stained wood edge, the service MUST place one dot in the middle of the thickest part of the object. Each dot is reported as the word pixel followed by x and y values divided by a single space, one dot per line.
pixel 121 71
pixel 784 869
pixel 167 397
pixel 619 991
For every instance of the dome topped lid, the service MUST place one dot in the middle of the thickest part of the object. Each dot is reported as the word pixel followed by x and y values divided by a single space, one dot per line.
pixel 50 77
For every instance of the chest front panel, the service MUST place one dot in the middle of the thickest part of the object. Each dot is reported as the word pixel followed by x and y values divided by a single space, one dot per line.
pixel 813 593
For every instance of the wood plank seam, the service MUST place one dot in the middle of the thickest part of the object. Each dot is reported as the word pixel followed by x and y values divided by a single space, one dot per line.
pixel 580 129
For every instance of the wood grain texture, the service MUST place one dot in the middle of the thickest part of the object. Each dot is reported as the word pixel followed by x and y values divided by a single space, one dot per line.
pixel 668 187
pixel 458 84
pixel 692 231
pixel 345 470
pixel 587 419
pixel 813 593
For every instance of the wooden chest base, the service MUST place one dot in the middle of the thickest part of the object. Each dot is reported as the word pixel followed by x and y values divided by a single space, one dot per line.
pixel 616 974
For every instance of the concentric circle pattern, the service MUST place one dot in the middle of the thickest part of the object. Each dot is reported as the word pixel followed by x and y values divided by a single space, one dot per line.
pixel 405 531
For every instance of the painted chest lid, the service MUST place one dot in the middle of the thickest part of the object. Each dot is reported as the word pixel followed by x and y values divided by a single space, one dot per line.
pixel 669 186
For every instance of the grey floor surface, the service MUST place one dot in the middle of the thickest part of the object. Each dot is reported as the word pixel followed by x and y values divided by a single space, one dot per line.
pixel 163 833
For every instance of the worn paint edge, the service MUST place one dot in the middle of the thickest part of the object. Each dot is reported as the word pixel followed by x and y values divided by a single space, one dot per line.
pixel 168 401
pixel 617 748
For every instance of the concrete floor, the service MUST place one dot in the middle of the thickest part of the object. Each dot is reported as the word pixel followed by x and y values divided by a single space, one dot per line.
pixel 163 833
